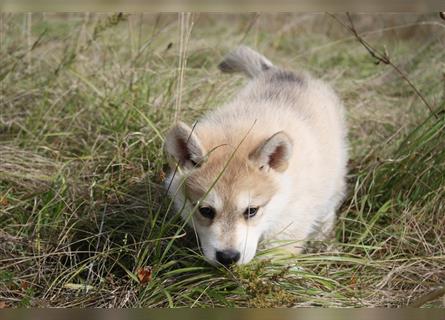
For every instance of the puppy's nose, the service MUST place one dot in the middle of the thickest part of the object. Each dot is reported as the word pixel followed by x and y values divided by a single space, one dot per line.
pixel 227 257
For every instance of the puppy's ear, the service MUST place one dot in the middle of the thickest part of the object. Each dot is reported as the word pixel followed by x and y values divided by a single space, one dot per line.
pixel 184 146
pixel 274 153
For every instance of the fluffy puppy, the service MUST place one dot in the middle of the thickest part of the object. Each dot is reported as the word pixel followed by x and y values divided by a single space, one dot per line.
pixel 268 165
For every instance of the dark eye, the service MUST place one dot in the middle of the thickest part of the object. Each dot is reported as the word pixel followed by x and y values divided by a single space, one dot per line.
pixel 207 212
pixel 250 212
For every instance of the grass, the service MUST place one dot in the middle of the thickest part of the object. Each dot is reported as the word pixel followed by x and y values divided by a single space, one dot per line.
pixel 86 100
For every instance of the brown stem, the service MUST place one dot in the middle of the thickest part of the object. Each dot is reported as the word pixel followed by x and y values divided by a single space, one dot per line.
pixel 381 57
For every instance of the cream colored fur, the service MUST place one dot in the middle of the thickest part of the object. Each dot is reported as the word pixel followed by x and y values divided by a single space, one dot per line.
pixel 231 159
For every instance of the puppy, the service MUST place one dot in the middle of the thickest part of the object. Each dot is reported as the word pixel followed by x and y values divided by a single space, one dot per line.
pixel 268 165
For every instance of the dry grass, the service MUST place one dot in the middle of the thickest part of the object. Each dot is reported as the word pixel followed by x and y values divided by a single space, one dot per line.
pixel 86 99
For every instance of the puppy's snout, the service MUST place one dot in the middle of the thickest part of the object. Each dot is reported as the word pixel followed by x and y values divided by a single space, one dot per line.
pixel 227 257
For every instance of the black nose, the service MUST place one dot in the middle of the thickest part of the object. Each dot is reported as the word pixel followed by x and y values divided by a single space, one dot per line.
pixel 227 257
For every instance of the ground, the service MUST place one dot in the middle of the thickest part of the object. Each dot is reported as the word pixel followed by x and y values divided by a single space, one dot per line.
pixel 86 100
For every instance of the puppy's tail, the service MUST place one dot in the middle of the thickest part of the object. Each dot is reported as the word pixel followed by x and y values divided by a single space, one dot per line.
pixel 246 60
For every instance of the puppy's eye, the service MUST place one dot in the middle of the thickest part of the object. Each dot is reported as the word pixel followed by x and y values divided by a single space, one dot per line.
pixel 250 212
pixel 207 212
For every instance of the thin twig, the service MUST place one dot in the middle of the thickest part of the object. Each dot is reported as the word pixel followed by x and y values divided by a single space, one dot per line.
pixel 381 57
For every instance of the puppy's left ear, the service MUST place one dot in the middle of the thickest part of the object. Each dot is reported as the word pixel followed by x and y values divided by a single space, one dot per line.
pixel 184 146
pixel 274 153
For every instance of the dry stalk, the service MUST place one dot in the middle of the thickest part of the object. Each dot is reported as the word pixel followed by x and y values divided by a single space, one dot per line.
pixel 381 57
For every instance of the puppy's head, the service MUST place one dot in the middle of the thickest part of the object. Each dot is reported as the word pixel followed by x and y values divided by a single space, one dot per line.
pixel 233 186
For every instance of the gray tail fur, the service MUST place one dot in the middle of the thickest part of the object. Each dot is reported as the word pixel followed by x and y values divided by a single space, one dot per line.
pixel 246 60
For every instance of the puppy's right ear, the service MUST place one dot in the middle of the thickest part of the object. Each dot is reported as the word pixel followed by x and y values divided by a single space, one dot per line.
pixel 184 146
